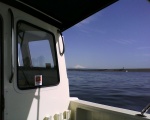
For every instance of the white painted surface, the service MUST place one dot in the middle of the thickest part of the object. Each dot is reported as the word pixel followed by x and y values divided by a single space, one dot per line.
pixel 83 110
pixel 33 104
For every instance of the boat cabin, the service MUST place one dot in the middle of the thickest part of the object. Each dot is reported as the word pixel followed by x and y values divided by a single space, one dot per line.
pixel 34 83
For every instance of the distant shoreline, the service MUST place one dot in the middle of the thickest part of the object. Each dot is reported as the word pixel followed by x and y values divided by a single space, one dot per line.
pixel 113 70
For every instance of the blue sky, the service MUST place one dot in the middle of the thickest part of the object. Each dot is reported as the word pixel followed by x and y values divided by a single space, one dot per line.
pixel 116 37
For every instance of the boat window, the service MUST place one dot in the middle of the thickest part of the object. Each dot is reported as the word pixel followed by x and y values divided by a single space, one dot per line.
pixel 37 64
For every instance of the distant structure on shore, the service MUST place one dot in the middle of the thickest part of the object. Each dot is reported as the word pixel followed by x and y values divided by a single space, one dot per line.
pixel 112 70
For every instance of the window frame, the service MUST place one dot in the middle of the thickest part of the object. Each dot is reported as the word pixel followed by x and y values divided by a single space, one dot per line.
pixel 55 53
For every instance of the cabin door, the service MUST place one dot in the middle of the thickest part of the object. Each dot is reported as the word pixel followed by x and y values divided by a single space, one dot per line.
pixel 1 79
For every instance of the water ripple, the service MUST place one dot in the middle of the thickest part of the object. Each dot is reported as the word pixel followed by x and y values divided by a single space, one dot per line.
pixel 120 89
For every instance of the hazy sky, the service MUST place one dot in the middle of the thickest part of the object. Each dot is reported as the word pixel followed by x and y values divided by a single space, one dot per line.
pixel 116 37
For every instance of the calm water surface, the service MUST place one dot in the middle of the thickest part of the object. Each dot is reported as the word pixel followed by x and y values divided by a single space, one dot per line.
pixel 130 90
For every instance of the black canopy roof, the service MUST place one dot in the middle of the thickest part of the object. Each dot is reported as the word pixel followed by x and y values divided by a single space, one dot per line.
pixel 60 13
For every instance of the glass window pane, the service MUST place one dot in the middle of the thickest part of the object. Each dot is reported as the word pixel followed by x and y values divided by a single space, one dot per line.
pixel 41 58
pixel 20 62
